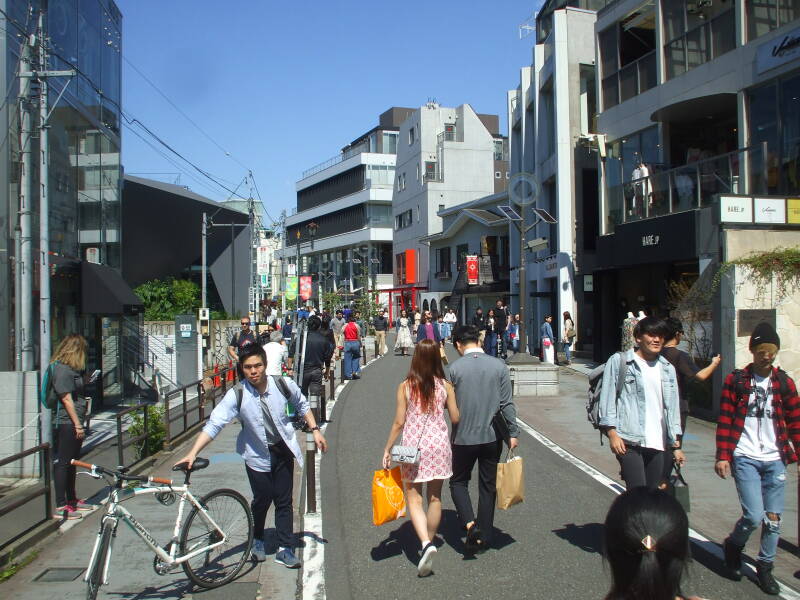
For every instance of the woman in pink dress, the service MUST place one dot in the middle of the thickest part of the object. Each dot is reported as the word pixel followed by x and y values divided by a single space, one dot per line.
pixel 421 400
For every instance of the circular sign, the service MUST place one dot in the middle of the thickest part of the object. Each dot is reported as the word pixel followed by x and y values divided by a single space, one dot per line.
pixel 523 189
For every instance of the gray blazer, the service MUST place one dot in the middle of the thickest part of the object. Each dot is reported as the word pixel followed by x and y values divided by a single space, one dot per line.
pixel 482 386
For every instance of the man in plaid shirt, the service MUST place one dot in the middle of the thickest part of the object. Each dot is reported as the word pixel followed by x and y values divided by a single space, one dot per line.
pixel 759 412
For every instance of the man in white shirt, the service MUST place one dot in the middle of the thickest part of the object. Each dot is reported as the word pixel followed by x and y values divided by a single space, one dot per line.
pixel 277 354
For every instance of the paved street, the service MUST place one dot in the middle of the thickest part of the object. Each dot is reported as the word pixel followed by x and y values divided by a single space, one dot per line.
pixel 548 547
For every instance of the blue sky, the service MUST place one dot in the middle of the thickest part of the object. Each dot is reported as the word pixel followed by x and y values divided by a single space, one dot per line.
pixel 282 86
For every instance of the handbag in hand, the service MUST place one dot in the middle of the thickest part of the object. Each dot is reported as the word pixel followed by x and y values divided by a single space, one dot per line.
pixel 678 487
pixel 409 455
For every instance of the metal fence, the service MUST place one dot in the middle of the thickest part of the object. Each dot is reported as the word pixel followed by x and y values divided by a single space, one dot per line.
pixel 43 488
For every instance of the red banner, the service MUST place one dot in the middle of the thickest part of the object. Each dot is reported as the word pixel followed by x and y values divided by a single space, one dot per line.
pixel 305 287
pixel 472 269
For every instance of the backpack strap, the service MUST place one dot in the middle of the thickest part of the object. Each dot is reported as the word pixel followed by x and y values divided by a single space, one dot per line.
pixel 783 378
pixel 282 386
pixel 239 389
pixel 738 385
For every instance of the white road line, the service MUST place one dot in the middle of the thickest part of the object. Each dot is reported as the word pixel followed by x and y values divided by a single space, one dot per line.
pixel 314 550
pixel 697 538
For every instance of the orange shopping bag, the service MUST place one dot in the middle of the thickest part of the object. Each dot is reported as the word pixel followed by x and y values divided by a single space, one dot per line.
pixel 388 502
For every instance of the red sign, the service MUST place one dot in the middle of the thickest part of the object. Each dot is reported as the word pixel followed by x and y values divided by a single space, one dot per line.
pixel 472 269
pixel 305 287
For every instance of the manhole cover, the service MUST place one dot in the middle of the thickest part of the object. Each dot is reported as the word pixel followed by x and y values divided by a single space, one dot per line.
pixel 59 574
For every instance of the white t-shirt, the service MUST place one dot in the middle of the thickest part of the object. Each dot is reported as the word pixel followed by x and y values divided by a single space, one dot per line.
pixel 450 317
pixel 758 439
pixel 654 403
pixel 276 354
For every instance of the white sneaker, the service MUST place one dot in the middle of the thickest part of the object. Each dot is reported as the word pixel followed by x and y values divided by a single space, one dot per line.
pixel 258 552
pixel 425 566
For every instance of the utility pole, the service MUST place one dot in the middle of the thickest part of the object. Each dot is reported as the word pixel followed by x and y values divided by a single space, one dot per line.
pixel 204 280
pixel 283 263
pixel 24 263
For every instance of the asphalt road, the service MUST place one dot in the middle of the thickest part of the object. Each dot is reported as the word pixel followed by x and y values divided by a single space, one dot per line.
pixel 549 547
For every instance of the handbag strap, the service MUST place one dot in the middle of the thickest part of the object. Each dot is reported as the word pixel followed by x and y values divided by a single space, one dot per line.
pixel 677 468
pixel 428 415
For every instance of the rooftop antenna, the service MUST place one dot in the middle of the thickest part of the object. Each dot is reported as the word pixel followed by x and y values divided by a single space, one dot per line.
pixel 527 27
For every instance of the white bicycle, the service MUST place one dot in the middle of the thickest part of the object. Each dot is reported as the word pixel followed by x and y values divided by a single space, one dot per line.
pixel 212 544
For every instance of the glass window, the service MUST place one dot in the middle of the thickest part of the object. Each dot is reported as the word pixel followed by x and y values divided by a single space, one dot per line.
pixel 764 128
pixel 790 135
pixel 390 142
pixel 765 15
pixel 608 50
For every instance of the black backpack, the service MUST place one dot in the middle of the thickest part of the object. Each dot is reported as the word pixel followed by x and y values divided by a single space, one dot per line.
pixel 596 386
pixel 297 421
pixel 739 379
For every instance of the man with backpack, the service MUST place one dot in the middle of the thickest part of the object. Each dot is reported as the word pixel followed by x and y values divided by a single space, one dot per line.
pixel 240 341
pixel 759 411
pixel 266 408
pixel 639 409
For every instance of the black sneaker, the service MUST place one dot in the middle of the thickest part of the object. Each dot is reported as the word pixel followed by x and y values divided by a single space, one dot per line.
pixel 733 559
pixel 766 581
pixel 474 542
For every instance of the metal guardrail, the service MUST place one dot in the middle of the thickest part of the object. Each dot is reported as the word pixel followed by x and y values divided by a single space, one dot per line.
pixel 121 445
pixel 183 412
pixel 43 489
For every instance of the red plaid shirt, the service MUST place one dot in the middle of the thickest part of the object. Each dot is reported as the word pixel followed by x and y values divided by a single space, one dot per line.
pixel 733 410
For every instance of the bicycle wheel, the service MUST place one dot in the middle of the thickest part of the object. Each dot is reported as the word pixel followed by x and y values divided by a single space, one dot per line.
pixel 95 579
pixel 215 567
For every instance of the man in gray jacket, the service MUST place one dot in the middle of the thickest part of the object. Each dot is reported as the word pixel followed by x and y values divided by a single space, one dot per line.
pixel 482 386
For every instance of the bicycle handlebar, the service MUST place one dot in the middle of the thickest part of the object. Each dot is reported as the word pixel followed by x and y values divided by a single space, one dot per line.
pixel 120 476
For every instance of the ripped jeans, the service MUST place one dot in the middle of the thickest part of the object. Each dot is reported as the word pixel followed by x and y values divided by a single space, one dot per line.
pixel 760 485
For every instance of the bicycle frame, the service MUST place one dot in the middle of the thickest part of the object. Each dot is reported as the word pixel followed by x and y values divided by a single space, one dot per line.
pixel 116 513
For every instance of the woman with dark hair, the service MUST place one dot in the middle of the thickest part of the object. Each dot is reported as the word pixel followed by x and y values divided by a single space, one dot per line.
pixel 403 326
pixel 495 325
pixel 568 336
pixel 421 400
pixel 647 546
pixel 327 332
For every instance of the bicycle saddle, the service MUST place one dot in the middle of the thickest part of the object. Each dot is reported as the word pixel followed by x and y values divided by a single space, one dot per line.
pixel 199 463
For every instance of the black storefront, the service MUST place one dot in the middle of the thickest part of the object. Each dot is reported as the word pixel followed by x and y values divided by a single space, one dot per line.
pixel 635 266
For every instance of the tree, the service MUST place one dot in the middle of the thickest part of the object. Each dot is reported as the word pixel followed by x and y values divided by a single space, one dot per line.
pixel 163 299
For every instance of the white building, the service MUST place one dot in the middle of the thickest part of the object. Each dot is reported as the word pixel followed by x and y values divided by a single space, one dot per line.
pixel 551 117
pixel 445 157
pixel 343 220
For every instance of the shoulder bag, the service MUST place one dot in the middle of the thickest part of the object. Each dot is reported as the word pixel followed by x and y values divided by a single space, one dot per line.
pixel 409 455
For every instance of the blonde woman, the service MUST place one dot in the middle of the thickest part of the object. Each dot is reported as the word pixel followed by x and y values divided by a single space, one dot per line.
pixel 68 380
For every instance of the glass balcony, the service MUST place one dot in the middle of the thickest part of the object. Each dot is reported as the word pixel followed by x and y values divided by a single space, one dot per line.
pixel 686 187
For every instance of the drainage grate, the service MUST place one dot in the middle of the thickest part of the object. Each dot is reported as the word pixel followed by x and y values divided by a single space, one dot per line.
pixel 59 574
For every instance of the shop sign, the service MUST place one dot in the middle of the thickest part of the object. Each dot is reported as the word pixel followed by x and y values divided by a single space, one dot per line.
pixel 770 210
pixel 748 319
pixel 650 240
pixel 778 51
pixel 262 260
pixel 793 211
pixel 305 287
pixel 735 209
pixel 588 283
pixel 291 288
pixel 291 270
pixel 472 269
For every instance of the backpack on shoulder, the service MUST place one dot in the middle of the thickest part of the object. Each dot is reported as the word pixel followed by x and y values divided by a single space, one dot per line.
pixel 47 394
pixel 596 387
pixel 297 421
pixel 739 379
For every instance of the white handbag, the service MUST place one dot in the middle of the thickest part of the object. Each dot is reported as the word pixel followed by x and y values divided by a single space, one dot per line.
pixel 409 455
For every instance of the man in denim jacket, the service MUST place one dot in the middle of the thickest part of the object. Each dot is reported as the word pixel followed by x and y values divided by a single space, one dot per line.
pixel 645 420
pixel 268 444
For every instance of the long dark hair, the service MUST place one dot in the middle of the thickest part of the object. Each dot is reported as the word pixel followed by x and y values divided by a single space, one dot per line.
pixel 426 366
pixel 643 568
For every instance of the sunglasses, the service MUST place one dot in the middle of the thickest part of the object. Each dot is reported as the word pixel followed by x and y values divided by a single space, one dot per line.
pixel 245 322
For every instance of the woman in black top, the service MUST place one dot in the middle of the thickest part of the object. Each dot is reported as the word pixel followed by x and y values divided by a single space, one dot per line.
pixel 68 379
pixel 495 325
pixel 327 332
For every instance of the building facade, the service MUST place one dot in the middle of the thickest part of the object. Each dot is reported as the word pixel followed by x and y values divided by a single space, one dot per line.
pixel 551 132
pixel 341 232
pixel 445 157
pixel 696 100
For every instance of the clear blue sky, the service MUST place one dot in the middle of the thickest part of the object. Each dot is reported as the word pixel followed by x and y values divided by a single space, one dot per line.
pixel 283 86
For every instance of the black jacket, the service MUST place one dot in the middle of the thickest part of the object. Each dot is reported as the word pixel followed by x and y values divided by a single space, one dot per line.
pixel 479 321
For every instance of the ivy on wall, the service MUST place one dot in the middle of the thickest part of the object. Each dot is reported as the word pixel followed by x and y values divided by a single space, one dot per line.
pixel 780 266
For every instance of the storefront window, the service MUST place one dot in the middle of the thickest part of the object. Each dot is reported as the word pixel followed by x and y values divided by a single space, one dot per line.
pixel 764 128
pixel 790 135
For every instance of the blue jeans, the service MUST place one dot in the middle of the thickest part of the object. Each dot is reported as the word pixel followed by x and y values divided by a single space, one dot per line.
pixel 352 354
pixel 490 343
pixel 760 486
pixel 567 355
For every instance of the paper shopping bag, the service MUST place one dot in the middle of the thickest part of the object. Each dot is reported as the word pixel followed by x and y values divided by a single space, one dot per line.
pixel 443 354
pixel 388 502
pixel 510 481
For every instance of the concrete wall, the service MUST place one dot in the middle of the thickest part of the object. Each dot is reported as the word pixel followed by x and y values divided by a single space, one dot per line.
pixel 738 293
pixel 19 429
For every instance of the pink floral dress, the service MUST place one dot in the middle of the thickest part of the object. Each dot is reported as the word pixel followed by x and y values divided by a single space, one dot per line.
pixel 429 433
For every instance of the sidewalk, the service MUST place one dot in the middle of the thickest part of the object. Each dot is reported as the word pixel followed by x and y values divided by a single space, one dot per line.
pixel 131 575
pixel 714 503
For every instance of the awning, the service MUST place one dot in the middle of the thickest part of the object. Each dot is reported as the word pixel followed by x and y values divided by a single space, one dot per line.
pixel 687 111
pixel 104 292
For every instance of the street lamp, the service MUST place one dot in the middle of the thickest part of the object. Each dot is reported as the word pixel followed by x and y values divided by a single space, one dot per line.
pixel 523 190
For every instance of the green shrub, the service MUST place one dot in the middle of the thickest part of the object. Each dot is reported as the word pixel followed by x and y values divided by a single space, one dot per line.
pixel 157 432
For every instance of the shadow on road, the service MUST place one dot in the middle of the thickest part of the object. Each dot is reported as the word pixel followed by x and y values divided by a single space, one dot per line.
pixel 588 537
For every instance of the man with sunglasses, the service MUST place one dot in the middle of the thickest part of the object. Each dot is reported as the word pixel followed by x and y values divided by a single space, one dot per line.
pixel 239 343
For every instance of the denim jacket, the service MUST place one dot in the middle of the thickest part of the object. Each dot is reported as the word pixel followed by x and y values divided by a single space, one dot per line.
pixel 627 415
pixel 252 441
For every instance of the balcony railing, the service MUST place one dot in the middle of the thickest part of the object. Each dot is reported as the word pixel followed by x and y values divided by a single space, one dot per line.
pixel 687 187
pixel 631 80
pixel 335 160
